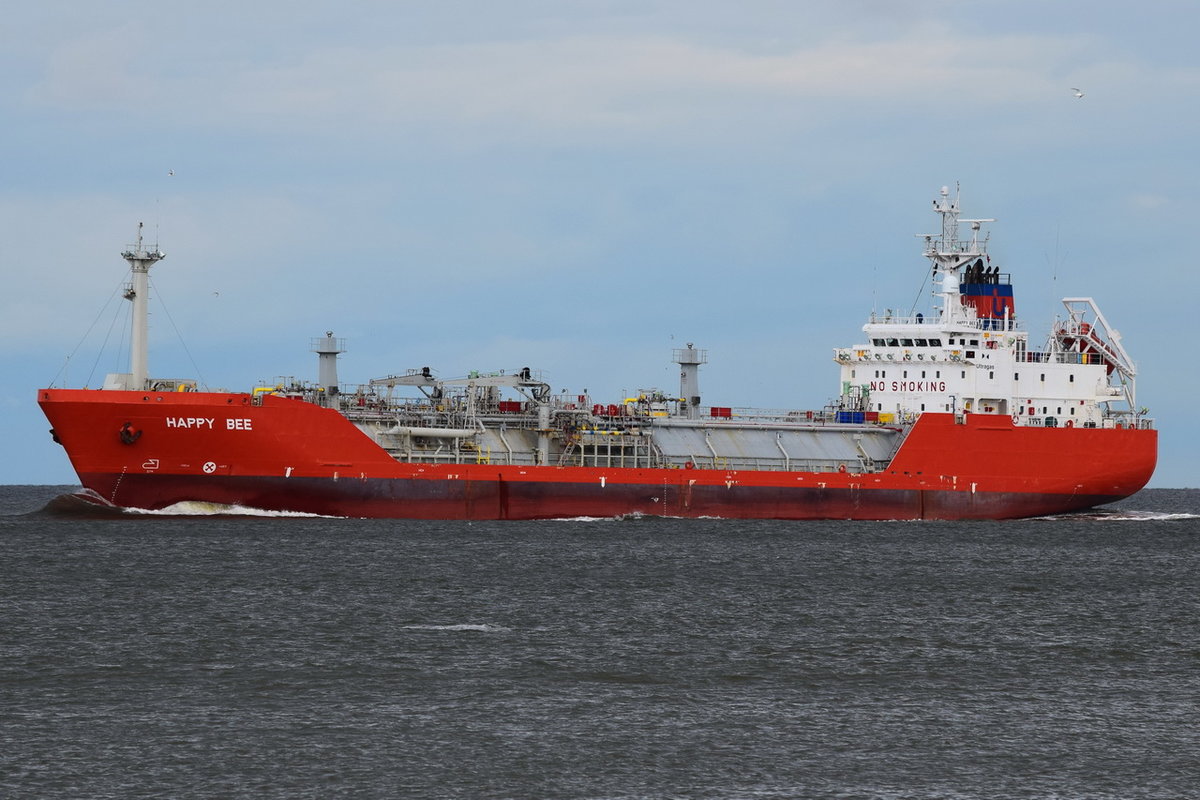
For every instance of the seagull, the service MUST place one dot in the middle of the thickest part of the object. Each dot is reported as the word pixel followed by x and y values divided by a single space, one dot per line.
pixel 1078 92
pixel 170 172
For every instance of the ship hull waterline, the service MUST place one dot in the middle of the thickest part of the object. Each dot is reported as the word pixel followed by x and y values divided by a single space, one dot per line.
pixel 498 499
pixel 279 454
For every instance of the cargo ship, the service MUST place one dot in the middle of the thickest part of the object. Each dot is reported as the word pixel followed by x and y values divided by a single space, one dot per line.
pixel 948 414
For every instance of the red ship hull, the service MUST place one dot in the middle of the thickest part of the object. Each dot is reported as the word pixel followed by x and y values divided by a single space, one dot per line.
pixel 154 449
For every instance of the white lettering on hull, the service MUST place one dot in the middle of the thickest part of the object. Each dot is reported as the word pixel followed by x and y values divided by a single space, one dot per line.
pixel 190 422
pixel 908 386
pixel 208 423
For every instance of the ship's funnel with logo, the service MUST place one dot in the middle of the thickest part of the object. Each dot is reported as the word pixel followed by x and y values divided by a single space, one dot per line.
pixel 988 291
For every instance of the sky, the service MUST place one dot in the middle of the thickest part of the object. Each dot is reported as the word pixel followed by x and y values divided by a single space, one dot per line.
pixel 581 187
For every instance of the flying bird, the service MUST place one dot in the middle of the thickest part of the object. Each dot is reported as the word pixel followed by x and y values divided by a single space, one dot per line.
pixel 1078 92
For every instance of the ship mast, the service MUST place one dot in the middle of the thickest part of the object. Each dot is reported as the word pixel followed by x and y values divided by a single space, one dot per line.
pixel 140 262
pixel 949 255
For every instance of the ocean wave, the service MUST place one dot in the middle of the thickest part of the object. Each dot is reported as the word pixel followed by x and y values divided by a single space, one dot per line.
pixel 632 516
pixel 1124 516
pixel 466 626
pixel 201 508
pixel 87 503
pixel 1148 516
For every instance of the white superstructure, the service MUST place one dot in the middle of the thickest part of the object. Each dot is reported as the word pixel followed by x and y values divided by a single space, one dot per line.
pixel 973 355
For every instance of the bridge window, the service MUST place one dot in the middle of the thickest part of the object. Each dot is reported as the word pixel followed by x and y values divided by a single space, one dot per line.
pixel 893 342
pixel 922 342
pixel 878 342
pixel 935 342
pixel 906 342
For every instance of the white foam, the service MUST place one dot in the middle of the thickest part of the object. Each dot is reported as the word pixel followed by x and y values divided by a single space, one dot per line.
pixel 1143 516
pixel 630 516
pixel 201 508
pixel 459 627
pixel 1101 515
pixel 187 508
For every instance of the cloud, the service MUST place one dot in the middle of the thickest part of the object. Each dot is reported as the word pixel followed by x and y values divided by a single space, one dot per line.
pixel 623 84
pixel 1148 202
pixel 598 85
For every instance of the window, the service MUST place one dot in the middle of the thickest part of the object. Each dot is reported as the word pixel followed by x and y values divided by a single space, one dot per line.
pixel 935 342
pixel 964 373
pixel 906 342
pixel 1072 377
pixel 922 373
pixel 893 342
pixel 1016 376
pixel 852 373
pixel 991 376
pixel 921 342
pixel 1043 377
pixel 974 343
pixel 878 342
pixel 937 374
pixel 970 354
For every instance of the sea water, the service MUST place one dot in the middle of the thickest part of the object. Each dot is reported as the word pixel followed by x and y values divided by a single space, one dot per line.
pixel 233 654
